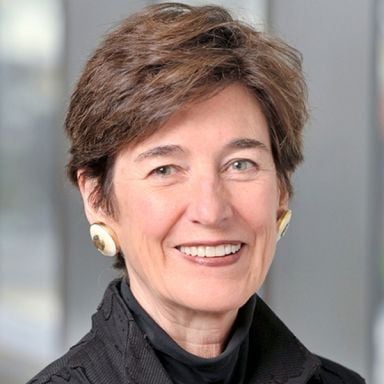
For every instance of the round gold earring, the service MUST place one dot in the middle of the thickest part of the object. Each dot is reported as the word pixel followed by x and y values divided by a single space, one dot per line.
pixel 104 239
pixel 283 223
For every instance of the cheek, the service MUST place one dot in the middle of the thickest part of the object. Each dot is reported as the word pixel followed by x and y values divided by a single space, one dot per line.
pixel 259 205
pixel 145 212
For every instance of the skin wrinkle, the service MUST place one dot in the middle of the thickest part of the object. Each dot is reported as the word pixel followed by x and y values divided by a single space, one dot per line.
pixel 207 339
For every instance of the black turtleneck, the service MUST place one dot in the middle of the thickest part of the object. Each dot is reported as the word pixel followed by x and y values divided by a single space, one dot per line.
pixel 185 368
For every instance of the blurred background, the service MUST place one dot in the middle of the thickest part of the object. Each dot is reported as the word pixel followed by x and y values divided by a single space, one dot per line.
pixel 327 281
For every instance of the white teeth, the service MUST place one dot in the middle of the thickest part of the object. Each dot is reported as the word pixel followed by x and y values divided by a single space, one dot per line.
pixel 220 250
pixel 234 248
pixel 211 251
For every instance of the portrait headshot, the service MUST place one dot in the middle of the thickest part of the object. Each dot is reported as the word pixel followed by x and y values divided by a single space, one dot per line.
pixel 215 194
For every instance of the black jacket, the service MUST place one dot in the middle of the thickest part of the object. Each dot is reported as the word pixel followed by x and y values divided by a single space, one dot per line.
pixel 116 351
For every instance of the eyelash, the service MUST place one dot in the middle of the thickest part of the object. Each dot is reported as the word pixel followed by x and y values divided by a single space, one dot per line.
pixel 252 164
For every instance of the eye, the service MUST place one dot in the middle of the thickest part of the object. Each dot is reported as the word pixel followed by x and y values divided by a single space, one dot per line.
pixel 242 165
pixel 163 171
pixel 241 169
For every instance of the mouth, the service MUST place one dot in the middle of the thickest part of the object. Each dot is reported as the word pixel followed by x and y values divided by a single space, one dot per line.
pixel 210 251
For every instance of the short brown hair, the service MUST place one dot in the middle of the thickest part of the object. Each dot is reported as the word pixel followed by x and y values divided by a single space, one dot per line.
pixel 166 56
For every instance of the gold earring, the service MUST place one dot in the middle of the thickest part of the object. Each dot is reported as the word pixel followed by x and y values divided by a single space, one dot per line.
pixel 283 223
pixel 104 239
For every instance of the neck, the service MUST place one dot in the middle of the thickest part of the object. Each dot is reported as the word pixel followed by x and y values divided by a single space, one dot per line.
pixel 200 333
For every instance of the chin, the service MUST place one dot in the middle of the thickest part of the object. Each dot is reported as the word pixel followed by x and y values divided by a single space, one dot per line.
pixel 219 300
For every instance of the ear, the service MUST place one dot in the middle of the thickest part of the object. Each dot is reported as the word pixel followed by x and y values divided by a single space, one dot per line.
pixel 87 187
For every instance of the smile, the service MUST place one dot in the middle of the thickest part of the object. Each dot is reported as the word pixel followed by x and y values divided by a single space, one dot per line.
pixel 210 251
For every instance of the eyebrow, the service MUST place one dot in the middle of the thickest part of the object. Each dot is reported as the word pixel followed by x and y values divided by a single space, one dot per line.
pixel 245 143
pixel 171 149
pixel 160 151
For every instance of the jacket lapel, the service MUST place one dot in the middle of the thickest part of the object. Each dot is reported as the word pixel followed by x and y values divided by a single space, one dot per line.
pixel 132 355
pixel 142 365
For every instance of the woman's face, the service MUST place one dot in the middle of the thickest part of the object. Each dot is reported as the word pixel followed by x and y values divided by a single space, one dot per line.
pixel 198 204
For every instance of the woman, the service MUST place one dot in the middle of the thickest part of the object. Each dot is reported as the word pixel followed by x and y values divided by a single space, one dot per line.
pixel 186 127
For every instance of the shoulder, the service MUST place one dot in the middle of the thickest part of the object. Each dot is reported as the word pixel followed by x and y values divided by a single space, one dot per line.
pixel 334 373
pixel 96 357
pixel 89 361
pixel 70 368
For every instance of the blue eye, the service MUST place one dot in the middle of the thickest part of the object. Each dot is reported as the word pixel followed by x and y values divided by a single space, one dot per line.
pixel 242 165
pixel 164 170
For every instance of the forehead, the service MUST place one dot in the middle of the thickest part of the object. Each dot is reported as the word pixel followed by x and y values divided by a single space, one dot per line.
pixel 232 113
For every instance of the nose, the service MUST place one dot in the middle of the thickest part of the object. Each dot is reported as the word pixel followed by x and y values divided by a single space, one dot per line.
pixel 209 203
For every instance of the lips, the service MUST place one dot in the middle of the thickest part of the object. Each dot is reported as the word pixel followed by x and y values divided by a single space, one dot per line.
pixel 211 251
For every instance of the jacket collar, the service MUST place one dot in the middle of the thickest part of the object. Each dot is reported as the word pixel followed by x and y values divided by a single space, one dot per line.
pixel 278 356
pixel 275 354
